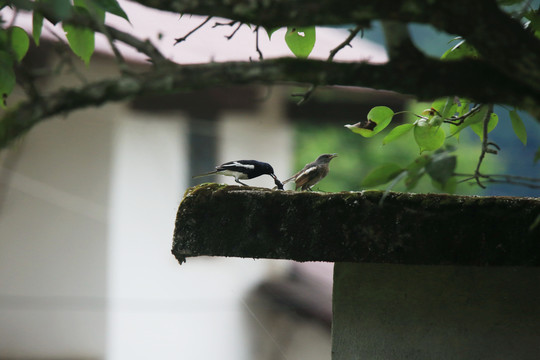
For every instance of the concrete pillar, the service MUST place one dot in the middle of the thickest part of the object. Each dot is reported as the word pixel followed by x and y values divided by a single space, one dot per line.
pixel 384 311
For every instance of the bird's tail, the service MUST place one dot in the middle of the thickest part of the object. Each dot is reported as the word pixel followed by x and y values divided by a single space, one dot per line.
pixel 205 174
pixel 289 179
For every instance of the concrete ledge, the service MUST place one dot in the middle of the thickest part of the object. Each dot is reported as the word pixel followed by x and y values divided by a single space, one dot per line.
pixel 421 229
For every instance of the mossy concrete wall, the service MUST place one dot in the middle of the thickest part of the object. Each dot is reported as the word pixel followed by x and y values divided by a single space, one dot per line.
pixel 432 229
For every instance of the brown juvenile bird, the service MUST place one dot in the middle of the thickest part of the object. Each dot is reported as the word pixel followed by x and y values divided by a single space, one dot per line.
pixel 312 173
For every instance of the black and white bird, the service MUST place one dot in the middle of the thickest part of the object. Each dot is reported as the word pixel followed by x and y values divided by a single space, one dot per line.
pixel 312 173
pixel 244 169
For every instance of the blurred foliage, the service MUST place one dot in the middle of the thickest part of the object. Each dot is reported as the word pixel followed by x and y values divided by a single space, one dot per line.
pixel 358 156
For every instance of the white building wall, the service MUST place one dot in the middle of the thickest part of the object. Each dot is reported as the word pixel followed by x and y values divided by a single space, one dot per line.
pixel 53 236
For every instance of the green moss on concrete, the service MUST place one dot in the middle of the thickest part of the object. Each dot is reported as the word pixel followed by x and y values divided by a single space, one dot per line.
pixel 223 220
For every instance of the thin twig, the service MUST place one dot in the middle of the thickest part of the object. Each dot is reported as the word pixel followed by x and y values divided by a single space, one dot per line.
pixel 229 37
pixel 346 42
pixel 506 176
pixel 230 23
pixel 512 182
pixel 485 145
pixel 144 47
pixel 516 177
pixel 460 119
pixel 305 96
pixel 179 40
pixel 506 179
pixel 256 31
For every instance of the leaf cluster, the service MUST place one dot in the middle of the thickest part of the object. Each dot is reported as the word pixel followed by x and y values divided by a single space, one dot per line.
pixel 446 118
pixel 15 42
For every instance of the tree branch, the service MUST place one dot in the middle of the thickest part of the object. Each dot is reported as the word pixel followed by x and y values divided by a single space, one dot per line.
pixel 144 47
pixel 507 71
pixel 499 39
pixel 184 38
pixel 346 42
pixel 468 78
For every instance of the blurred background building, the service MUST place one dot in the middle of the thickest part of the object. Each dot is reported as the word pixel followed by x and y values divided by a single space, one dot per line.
pixel 88 203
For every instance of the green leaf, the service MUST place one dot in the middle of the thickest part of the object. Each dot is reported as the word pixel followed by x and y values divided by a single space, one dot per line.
pixel 19 42
pixel 518 126
pixel 377 119
pixel 537 155
pixel 91 8
pixel 381 115
pixel 80 39
pixel 7 76
pixel 271 31
pixel 300 40
pixel 37 26
pixel 441 167
pixel 478 127
pixel 111 6
pixel 381 175
pixel 428 137
pixel 54 10
pixel 462 50
pixel 397 132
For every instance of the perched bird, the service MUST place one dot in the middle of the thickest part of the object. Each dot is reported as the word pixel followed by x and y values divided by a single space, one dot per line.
pixel 312 173
pixel 244 169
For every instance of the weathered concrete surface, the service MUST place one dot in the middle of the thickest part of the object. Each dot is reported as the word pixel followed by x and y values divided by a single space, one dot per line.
pixel 387 311
pixel 420 229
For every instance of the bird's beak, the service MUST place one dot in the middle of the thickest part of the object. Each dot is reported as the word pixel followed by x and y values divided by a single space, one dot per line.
pixel 334 155
pixel 273 176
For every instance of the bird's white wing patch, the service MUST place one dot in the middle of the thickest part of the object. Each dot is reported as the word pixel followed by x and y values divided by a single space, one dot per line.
pixel 307 171
pixel 239 164
pixel 235 174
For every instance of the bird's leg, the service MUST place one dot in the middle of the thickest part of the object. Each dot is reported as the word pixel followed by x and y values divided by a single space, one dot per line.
pixel 238 181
